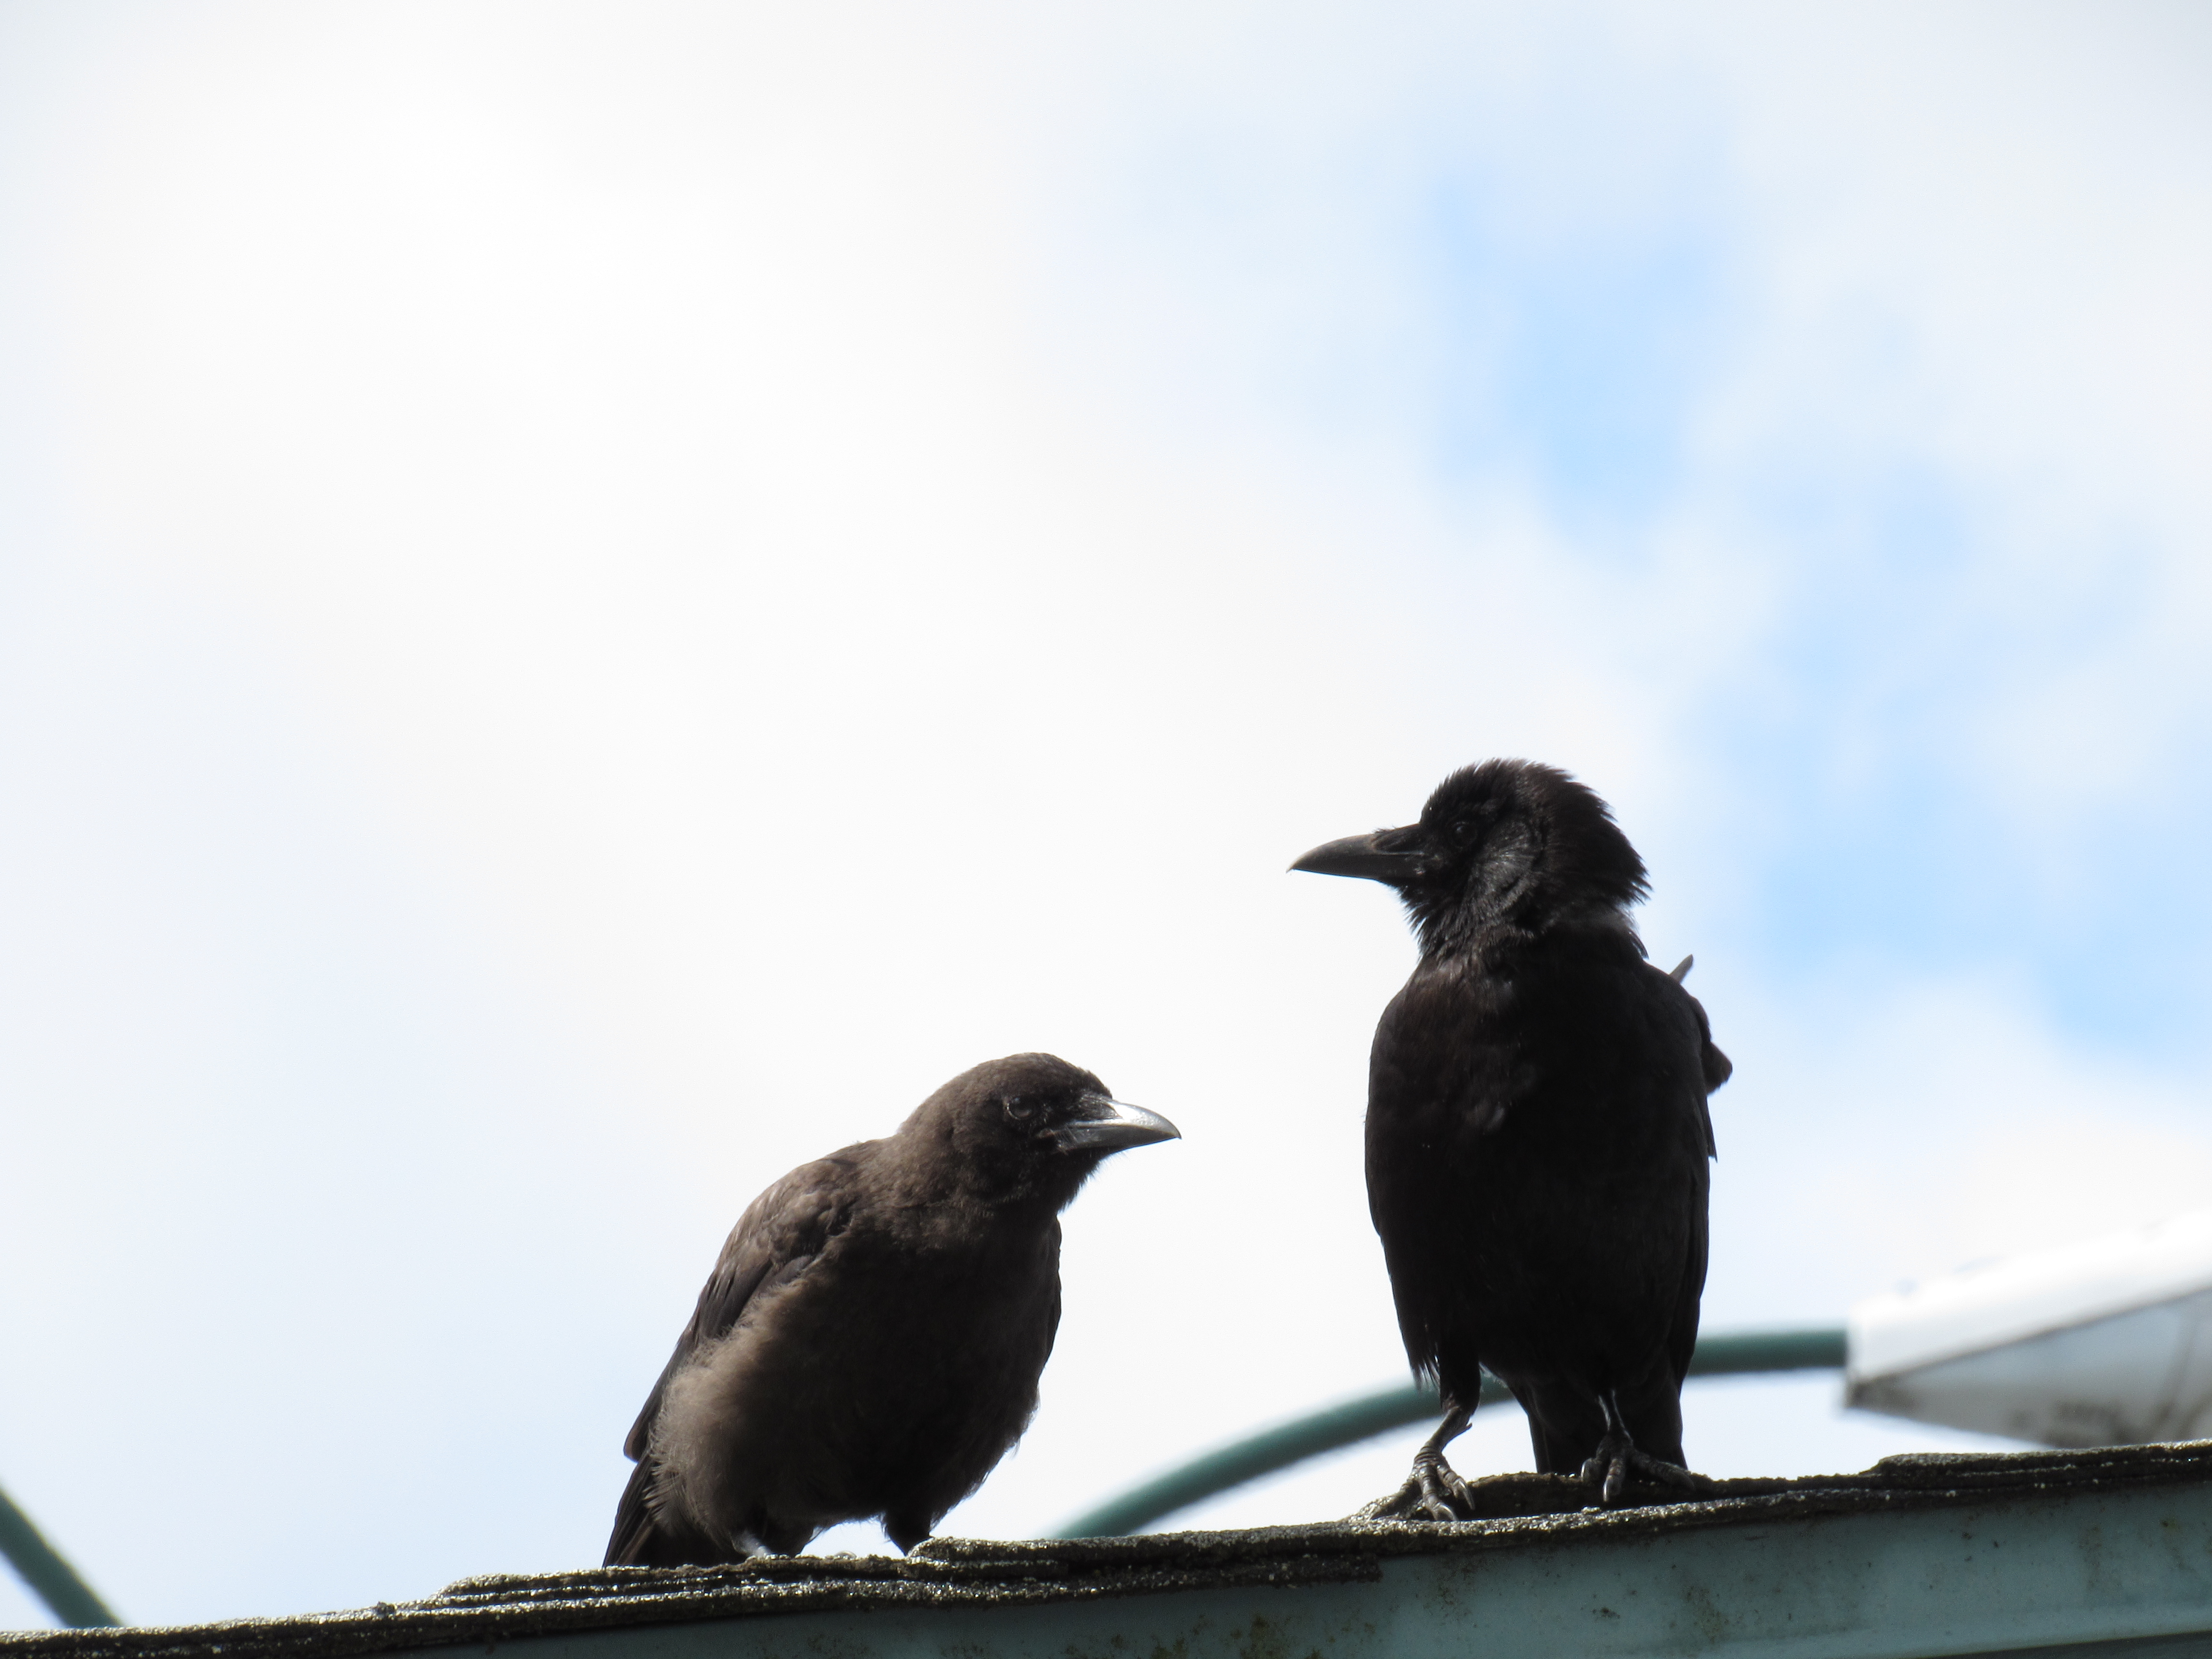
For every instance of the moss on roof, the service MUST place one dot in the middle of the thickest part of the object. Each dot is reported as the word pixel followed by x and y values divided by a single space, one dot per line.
pixel 1519 1511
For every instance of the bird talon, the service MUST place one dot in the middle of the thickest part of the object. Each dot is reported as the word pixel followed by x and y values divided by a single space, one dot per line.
pixel 1444 1495
pixel 1617 1459
pixel 1433 1492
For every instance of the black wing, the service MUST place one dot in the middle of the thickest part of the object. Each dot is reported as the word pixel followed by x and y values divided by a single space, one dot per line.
pixel 775 1240
pixel 780 1236
pixel 1714 1069
pixel 1440 1081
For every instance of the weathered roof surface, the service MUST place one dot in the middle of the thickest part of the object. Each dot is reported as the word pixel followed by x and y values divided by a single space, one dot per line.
pixel 1917 1555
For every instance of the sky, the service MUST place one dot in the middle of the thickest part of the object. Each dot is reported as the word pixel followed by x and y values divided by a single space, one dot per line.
pixel 594 598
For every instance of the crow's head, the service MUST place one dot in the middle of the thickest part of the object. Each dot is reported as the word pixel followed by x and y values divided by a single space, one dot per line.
pixel 1032 1126
pixel 1506 841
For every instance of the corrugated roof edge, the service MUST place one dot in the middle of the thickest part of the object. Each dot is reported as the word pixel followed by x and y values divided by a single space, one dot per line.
pixel 1521 1510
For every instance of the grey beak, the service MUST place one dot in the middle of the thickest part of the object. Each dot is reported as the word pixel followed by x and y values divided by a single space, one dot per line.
pixel 1359 856
pixel 1104 1125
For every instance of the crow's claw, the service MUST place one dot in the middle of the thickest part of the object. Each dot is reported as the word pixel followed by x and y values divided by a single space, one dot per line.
pixel 1433 1492
pixel 1617 1458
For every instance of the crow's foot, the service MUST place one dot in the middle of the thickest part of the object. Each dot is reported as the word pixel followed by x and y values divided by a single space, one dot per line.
pixel 1432 1491
pixel 1617 1459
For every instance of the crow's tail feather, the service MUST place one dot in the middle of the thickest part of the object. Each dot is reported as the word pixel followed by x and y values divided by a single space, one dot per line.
pixel 637 1541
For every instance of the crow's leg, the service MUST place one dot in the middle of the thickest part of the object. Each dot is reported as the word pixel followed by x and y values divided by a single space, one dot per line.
pixel 1617 1457
pixel 1433 1491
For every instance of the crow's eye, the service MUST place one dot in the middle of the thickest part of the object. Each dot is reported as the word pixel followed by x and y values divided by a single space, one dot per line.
pixel 1021 1108
pixel 1462 829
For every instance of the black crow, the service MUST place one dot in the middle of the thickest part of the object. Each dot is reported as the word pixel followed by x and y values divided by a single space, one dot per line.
pixel 1537 1134
pixel 870 1342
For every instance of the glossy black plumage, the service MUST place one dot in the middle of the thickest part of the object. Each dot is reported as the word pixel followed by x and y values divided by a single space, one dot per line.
pixel 870 1342
pixel 1537 1132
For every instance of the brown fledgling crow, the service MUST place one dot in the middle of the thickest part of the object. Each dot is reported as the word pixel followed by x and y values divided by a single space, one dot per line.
pixel 871 1341
pixel 1537 1135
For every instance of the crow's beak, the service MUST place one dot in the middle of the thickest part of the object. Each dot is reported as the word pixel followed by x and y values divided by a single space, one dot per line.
pixel 1104 1125
pixel 1364 855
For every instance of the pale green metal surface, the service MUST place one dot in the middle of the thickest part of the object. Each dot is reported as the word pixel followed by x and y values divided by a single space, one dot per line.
pixel 2056 1555
pixel 1740 1353
pixel 47 1572
pixel 2089 1573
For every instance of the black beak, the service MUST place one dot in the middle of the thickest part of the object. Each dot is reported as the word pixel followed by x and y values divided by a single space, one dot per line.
pixel 1367 856
pixel 1101 1124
